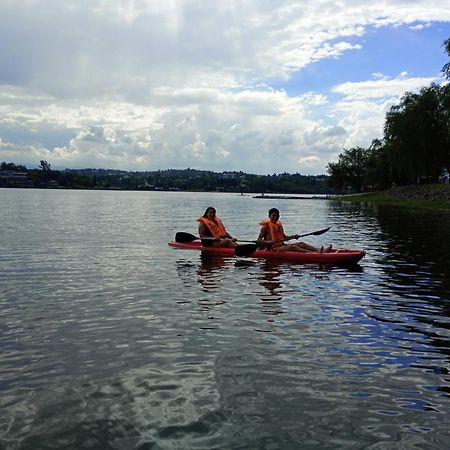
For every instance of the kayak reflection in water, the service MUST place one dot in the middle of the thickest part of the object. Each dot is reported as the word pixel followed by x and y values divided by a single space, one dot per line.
pixel 272 233
pixel 212 231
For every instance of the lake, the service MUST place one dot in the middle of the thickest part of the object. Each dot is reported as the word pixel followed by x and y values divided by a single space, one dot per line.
pixel 111 339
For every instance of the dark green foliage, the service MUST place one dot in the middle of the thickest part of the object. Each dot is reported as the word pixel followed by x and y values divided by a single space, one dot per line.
pixel 45 166
pixel 12 167
pixel 349 172
pixel 446 68
pixel 417 134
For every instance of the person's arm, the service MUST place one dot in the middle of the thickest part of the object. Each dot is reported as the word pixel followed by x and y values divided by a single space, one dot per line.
pixel 203 231
pixel 293 236
pixel 262 238
pixel 228 235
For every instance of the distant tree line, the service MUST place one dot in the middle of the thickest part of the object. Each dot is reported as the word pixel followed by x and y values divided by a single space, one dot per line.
pixel 173 180
pixel 415 147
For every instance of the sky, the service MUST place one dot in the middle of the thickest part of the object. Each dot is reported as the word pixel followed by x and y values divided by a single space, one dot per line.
pixel 259 86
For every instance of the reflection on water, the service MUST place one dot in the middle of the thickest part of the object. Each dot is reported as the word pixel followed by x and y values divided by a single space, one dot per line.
pixel 208 274
pixel 109 338
pixel 276 278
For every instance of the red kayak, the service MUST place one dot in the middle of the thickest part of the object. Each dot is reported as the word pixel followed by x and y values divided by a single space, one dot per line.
pixel 332 257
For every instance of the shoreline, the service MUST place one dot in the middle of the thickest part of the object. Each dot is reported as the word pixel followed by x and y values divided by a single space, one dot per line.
pixel 423 196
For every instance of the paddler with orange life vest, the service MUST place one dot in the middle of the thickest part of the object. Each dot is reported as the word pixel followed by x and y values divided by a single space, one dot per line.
pixel 272 236
pixel 212 231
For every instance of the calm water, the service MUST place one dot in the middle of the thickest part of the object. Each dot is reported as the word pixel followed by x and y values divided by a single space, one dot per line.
pixel 110 339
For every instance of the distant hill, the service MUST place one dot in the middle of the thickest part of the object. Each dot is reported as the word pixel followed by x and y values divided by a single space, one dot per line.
pixel 175 180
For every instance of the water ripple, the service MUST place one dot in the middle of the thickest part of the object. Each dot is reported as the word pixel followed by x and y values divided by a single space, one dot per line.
pixel 111 339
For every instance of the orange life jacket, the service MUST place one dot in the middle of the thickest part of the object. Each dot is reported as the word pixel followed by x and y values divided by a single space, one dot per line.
pixel 215 226
pixel 276 231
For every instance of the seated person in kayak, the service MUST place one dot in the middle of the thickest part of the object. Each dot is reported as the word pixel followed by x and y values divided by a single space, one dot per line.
pixel 272 236
pixel 212 231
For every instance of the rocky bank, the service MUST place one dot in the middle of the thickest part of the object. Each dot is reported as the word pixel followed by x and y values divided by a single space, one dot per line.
pixel 433 192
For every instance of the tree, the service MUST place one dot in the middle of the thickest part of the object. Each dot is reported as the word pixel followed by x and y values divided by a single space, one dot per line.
pixel 446 68
pixel 13 167
pixel 350 170
pixel 378 169
pixel 45 166
pixel 416 134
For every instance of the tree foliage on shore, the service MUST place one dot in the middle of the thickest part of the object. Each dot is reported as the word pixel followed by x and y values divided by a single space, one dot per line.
pixel 415 147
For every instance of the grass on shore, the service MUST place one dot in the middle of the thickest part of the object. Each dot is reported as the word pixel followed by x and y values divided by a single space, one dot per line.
pixel 384 198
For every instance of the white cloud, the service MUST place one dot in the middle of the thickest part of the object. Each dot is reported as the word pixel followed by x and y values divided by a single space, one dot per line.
pixel 308 161
pixel 148 84
pixel 382 88
pixel 420 26
pixel 364 105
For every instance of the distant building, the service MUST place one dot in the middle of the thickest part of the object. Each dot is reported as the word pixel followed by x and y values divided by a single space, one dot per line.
pixel 9 178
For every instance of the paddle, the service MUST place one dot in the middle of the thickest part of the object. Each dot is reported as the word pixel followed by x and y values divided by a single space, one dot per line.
pixel 248 249
pixel 182 237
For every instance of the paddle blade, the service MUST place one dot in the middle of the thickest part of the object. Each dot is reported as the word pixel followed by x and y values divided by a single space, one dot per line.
pixel 317 233
pixel 184 237
pixel 245 250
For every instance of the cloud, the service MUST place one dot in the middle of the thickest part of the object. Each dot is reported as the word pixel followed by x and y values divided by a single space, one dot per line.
pixel 363 105
pixel 142 85
pixel 382 87
pixel 420 26
pixel 309 161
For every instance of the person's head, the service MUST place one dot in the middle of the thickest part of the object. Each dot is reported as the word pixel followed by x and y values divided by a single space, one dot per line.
pixel 210 213
pixel 274 214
